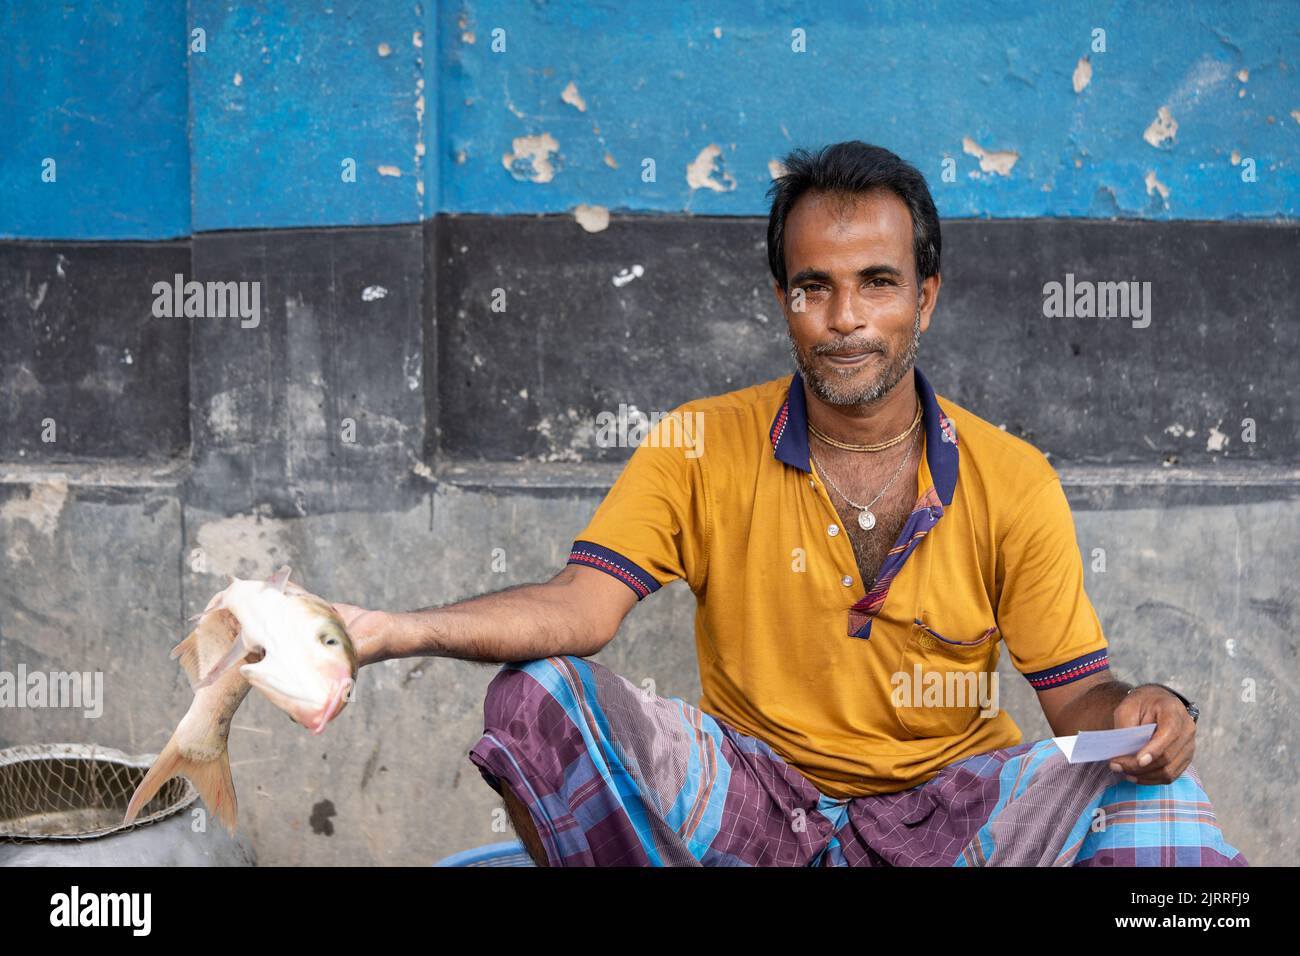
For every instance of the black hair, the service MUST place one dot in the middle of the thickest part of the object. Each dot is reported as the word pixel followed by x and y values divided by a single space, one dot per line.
pixel 844 170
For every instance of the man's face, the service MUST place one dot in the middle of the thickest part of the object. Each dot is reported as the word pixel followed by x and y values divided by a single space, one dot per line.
pixel 862 310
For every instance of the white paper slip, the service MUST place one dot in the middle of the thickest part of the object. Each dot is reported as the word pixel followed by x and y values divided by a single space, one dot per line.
pixel 1091 745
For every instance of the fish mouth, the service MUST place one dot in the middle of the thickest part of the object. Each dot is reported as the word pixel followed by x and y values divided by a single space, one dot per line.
pixel 309 712
pixel 334 705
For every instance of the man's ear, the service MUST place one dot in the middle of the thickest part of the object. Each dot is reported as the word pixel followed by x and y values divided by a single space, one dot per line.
pixel 929 297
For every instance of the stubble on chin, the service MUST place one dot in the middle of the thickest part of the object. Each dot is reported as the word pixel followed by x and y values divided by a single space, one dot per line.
pixel 834 390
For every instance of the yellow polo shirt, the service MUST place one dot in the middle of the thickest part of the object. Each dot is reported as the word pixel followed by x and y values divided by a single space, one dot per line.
pixel 862 687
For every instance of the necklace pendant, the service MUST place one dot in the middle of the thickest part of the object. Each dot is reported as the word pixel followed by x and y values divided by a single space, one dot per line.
pixel 866 520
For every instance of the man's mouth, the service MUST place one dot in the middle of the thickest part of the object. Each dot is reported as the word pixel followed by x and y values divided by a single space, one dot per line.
pixel 850 358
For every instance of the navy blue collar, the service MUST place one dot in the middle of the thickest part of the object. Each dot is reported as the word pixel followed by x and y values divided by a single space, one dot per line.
pixel 789 434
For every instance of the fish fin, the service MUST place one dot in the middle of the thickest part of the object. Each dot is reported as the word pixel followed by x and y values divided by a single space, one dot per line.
pixel 214 783
pixel 217 602
pixel 188 651
pixel 206 646
pixel 211 778
pixel 232 657
pixel 280 578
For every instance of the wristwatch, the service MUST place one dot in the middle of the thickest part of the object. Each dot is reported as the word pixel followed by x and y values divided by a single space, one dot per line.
pixel 1192 710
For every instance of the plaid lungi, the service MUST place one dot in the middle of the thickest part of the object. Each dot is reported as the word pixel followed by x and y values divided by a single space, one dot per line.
pixel 616 776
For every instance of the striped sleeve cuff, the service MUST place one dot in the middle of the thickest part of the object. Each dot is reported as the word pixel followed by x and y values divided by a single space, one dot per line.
pixel 592 555
pixel 1090 663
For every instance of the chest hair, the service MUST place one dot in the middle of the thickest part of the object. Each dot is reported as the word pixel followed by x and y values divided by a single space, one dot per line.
pixel 847 470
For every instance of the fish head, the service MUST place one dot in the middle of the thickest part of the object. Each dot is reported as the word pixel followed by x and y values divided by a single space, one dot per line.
pixel 309 670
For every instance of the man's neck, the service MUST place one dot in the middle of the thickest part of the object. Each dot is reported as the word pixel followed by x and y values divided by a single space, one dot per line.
pixel 865 424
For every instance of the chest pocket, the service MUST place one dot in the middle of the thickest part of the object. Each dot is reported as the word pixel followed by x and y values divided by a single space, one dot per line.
pixel 947 679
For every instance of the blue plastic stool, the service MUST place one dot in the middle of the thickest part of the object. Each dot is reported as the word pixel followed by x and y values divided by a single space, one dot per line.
pixel 509 853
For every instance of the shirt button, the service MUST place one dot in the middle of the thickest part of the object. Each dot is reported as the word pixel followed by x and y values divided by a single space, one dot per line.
pixel 833 530
pixel 846 580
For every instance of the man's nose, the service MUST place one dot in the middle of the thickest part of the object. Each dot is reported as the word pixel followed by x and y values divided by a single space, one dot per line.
pixel 845 315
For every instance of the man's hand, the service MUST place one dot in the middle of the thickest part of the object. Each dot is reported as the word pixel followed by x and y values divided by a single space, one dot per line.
pixel 1169 751
pixel 366 628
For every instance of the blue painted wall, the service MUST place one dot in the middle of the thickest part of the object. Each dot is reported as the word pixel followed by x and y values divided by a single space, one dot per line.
pixel 286 91
pixel 101 90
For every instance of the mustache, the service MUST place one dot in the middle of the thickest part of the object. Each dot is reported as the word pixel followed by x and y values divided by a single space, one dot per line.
pixel 848 348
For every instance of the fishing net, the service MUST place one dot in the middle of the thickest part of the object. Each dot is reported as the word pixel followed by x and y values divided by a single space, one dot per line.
pixel 78 792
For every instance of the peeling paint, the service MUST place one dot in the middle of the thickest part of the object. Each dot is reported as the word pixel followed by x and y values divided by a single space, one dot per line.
pixel 41 508
pixel 1243 75
pixel 610 161
pixel 223 415
pixel 997 161
pixel 239 80
pixel 247 546
pixel 580 429
pixel 35 302
pixel 1235 157
pixel 1082 74
pixel 776 169
pixel 1295 115
pixel 1154 185
pixel 372 292
pixel 1162 128
pixel 700 172
pixel 1216 441
pixel 592 218
pixel 389 171
pixel 573 97
pixel 627 275
pixel 412 366
pixel 530 160
pixel 384 49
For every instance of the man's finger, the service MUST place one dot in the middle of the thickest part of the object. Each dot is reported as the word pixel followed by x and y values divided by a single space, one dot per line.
pixel 1131 767
pixel 1169 728
pixel 1173 768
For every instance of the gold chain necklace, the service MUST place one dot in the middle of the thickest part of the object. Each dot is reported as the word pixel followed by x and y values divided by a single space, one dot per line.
pixel 881 446
pixel 866 517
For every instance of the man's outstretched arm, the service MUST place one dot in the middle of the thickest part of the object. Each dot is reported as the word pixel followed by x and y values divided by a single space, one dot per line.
pixel 576 612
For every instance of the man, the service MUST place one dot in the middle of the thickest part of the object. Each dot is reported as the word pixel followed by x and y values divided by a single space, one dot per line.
pixel 859 548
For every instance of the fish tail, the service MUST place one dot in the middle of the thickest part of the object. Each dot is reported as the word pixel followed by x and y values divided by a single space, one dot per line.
pixel 211 778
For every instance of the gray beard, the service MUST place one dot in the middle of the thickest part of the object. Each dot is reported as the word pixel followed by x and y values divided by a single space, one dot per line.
pixel 832 392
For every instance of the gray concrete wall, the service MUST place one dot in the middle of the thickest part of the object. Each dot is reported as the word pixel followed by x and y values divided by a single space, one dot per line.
pixel 474 434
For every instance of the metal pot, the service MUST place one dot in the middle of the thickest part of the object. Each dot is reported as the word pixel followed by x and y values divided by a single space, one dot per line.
pixel 62 805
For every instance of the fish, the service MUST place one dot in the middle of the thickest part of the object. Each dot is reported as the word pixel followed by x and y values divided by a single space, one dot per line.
pixel 271 635
pixel 198 747
pixel 309 664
